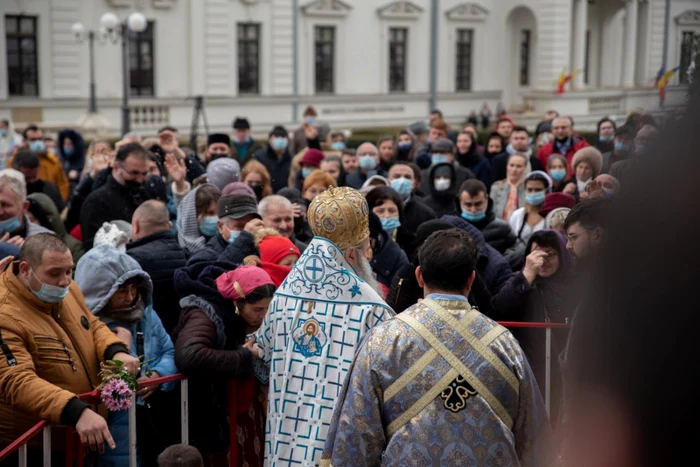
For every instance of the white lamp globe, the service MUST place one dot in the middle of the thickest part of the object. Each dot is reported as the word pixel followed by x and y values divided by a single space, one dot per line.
pixel 77 29
pixel 137 22
pixel 109 21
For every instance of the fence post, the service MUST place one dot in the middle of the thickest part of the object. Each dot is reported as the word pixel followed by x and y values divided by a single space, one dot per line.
pixel 548 371
pixel 47 445
pixel 133 461
pixel 184 412
pixel 23 455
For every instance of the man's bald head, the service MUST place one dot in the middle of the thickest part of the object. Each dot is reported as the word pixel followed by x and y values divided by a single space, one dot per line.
pixel 609 182
pixel 149 218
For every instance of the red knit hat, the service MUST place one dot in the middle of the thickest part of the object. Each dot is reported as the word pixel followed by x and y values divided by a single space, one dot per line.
pixel 240 282
pixel 274 248
pixel 277 272
pixel 556 200
pixel 312 157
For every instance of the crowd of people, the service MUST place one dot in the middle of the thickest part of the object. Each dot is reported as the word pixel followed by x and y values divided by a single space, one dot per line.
pixel 351 294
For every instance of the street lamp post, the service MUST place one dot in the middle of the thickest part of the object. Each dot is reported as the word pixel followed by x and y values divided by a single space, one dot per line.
pixel 113 30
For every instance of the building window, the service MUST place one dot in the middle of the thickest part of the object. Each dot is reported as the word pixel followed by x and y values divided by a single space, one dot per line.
pixel 525 57
pixel 325 47
pixel 465 43
pixel 586 62
pixel 686 56
pixel 249 58
pixel 141 62
pixel 22 69
pixel 398 43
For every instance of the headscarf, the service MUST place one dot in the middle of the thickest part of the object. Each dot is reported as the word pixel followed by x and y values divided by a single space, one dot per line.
pixel 238 284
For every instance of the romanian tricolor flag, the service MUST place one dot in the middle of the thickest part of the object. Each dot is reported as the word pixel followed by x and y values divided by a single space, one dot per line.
pixel 565 78
pixel 662 79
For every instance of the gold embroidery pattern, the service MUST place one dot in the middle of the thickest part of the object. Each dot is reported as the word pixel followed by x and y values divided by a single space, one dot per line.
pixel 456 394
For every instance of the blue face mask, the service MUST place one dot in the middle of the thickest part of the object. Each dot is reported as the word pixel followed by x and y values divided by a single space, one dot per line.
pixel 3 132
pixel 639 148
pixel 474 216
pixel 37 146
pixel 558 174
pixel 279 143
pixel 405 146
pixel 233 235
pixel 608 192
pixel 535 199
pixel 367 162
pixel 310 120
pixel 338 145
pixel 606 139
pixel 208 226
pixel 389 224
pixel 403 186
pixel 305 172
pixel 622 147
pixel 438 159
pixel 49 293
pixel 10 225
pixel 67 151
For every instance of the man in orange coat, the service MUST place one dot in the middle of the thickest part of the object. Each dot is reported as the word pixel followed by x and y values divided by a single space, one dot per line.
pixel 51 346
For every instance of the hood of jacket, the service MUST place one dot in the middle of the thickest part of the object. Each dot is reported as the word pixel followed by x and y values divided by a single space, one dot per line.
pixel 78 155
pixel 196 287
pixel 473 231
pixel 451 192
pixel 53 218
pixel 102 270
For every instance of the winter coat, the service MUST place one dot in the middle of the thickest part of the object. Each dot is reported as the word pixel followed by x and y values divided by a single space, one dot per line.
pixel 76 161
pixel 548 149
pixel 499 194
pixel 211 251
pixel 388 258
pixel 99 274
pixel 279 167
pixel 208 348
pixel 53 222
pixel 477 164
pixel 108 203
pixel 160 255
pixel 415 212
pixel 50 353
pixel 51 170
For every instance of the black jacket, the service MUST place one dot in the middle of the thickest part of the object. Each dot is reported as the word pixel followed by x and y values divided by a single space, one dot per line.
pixel 211 252
pixel 278 167
pixel 415 212
pixel 50 190
pixel 160 255
pixel 108 203
pixel 388 259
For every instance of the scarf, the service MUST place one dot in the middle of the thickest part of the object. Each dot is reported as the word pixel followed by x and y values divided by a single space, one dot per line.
pixel 129 315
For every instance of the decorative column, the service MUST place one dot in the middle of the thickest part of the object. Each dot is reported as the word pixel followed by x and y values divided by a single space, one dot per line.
pixel 580 27
pixel 630 49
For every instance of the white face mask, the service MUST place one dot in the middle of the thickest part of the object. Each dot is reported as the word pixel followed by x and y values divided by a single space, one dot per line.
pixel 442 184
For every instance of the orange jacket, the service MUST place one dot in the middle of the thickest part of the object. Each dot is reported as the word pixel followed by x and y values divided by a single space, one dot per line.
pixel 48 354
pixel 51 170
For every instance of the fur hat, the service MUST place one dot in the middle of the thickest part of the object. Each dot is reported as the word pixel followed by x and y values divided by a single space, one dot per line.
pixel 590 155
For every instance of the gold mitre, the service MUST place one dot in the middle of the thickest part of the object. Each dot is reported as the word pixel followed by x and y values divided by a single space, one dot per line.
pixel 341 216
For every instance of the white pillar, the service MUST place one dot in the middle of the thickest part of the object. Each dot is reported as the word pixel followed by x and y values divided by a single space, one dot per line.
pixel 630 54
pixel 580 27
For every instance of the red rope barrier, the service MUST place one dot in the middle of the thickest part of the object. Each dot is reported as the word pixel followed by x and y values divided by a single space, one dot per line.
pixel 522 324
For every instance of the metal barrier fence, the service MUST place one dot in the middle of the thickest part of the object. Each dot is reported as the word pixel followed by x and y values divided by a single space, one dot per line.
pixel 20 445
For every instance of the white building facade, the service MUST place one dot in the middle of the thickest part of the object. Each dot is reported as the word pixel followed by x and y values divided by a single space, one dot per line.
pixel 360 63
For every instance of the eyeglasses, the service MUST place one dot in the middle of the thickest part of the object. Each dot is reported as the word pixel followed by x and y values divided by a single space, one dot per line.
pixel 573 237
pixel 134 173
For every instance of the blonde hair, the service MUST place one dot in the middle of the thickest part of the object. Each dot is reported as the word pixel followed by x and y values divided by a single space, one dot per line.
pixel 318 176
pixel 258 168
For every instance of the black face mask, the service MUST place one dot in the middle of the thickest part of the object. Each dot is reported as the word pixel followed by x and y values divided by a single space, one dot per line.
pixel 258 191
